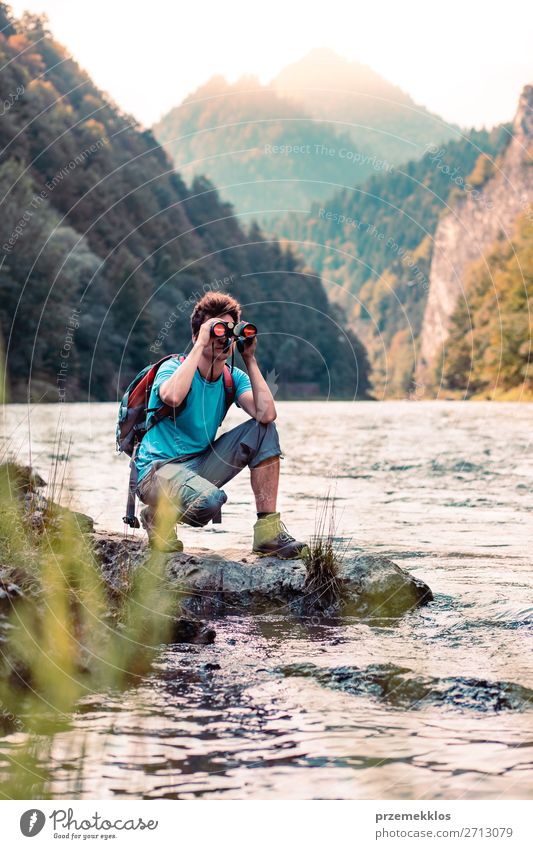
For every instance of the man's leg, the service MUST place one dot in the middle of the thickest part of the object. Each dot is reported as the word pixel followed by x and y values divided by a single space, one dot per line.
pixel 189 492
pixel 176 493
pixel 265 481
pixel 158 523
pixel 195 500
pixel 249 444
pixel 257 446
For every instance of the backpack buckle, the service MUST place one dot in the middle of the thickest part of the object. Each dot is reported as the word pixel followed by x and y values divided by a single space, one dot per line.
pixel 131 521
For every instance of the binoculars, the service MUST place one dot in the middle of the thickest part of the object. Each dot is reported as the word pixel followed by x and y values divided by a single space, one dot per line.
pixel 243 332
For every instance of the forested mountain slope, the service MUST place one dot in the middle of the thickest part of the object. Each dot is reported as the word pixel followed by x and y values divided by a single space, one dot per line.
pixel 104 248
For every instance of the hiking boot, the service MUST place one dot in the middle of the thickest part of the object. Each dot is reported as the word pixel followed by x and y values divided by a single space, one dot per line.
pixel 155 541
pixel 272 537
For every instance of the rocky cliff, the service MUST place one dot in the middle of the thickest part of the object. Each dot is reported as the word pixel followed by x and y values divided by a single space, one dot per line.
pixel 467 231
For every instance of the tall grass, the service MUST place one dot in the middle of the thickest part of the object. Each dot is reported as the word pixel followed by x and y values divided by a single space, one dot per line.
pixel 66 638
pixel 323 559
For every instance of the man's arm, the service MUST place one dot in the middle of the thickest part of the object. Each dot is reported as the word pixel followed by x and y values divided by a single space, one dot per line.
pixel 175 389
pixel 259 402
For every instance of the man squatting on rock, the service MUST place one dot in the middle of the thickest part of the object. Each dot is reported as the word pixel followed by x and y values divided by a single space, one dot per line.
pixel 181 466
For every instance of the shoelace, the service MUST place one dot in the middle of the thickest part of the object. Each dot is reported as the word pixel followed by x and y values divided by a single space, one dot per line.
pixel 285 536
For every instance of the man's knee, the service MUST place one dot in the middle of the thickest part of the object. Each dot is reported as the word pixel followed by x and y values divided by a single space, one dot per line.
pixel 200 508
pixel 270 430
pixel 266 443
pixel 195 499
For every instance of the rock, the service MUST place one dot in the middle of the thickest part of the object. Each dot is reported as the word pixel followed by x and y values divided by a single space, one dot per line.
pixel 371 586
pixel 85 523
pixel 9 592
pixel 403 688
pixel 35 501
pixel 40 513
pixel 36 519
pixel 116 556
pixel 190 630
pixel 377 587
pixel 61 517
pixel 22 479
pixel 211 583
pixel 482 215
pixel 217 583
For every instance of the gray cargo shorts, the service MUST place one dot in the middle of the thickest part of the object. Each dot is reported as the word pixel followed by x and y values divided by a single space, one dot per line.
pixel 192 483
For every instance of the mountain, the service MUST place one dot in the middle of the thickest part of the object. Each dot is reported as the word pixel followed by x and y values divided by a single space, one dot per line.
pixel 278 147
pixel 477 226
pixel 265 152
pixel 378 115
pixel 104 248
pixel 373 247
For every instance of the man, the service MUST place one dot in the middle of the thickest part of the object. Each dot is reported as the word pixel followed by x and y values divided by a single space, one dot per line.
pixel 181 466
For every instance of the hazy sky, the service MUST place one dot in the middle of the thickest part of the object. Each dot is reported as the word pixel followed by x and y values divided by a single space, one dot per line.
pixel 467 60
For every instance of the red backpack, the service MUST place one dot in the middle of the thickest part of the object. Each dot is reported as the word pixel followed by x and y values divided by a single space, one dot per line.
pixel 132 415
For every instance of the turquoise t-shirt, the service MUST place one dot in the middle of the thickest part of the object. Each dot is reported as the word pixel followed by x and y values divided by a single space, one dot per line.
pixel 196 426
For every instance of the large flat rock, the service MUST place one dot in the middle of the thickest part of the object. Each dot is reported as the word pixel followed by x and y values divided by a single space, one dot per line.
pixel 232 580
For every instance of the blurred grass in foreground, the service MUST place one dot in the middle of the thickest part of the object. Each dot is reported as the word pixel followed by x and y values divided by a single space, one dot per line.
pixel 65 636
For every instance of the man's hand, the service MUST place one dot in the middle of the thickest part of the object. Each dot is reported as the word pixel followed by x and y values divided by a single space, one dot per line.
pixel 249 350
pixel 204 334
pixel 259 403
pixel 175 389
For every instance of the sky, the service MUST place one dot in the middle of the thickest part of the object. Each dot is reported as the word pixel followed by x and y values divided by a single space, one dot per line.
pixel 466 60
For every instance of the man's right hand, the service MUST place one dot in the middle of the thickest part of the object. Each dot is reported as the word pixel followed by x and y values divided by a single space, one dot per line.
pixel 204 334
pixel 175 389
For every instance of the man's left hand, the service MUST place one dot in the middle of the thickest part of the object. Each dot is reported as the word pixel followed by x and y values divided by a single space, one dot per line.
pixel 249 349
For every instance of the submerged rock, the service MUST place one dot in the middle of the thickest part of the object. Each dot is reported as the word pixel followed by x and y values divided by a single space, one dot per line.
pixel 401 687
pixel 371 586
pixel 187 629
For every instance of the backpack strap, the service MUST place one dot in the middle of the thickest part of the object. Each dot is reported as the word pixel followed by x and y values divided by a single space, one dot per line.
pixel 229 387
pixel 160 413
pixel 138 395
pixel 130 518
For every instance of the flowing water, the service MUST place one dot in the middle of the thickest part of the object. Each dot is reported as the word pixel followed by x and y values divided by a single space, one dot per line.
pixel 444 489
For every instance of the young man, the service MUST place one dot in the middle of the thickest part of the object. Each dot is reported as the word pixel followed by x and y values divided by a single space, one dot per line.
pixel 181 466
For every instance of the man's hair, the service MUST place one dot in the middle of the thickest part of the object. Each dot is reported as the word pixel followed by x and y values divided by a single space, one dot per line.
pixel 211 305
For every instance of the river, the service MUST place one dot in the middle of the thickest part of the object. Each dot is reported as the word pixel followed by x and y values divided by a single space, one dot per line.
pixel 445 490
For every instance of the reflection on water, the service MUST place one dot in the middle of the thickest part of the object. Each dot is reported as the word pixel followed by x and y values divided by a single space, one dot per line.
pixel 443 488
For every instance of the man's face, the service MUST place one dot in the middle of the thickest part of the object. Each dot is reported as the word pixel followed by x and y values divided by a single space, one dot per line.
pixel 220 354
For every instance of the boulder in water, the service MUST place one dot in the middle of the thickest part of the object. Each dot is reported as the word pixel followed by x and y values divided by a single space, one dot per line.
pixel 402 687
pixel 371 586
